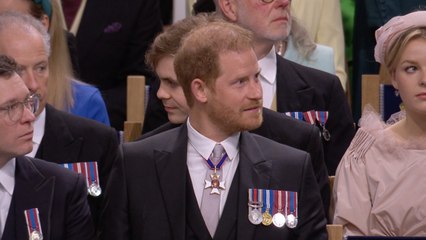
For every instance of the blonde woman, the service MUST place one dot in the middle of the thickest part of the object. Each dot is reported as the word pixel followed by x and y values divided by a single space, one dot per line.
pixel 380 182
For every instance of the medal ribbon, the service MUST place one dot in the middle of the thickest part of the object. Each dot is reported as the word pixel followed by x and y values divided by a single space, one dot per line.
pixel 93 169
pixel 219 165
pixel 33 220
pixel 322 117
pixel 292 203
pixel 296 115
pixel 267 198
pixel 309 116
pixel 88 169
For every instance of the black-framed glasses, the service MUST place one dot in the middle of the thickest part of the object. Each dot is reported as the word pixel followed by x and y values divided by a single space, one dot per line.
pixel 16 110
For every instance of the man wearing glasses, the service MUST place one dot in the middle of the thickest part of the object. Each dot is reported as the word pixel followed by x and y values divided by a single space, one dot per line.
pixel 37 199
pixel 80 144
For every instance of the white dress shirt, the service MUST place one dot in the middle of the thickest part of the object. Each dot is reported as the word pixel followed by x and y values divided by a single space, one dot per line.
pixel 7 185
pixel 268 75
pixel 199 150
pixel 39 125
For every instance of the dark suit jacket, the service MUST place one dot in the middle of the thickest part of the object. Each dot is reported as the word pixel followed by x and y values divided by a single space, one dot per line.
pixel 301 89
pixel 147 198
pixel 59 195
pixel 69 139
pixel 111 41
pixel 289 131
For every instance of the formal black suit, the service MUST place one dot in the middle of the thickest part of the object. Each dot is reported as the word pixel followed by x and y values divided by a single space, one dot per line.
pixel 69 139
pixel 59 195
pixel 112 39
pixel 301 89
pixel 151 197
pixel 294 133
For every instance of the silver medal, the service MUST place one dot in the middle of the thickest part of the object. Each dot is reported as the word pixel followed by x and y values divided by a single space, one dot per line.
pixel 36 235
pixel 95 190
pixel 255 216
pixel 291 221
pixel 278 219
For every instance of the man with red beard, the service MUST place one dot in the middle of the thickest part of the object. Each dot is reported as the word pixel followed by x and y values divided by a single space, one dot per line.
pixel 210 178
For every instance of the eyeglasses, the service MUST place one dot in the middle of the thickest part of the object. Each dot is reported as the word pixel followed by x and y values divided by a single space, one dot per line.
pixel 16 110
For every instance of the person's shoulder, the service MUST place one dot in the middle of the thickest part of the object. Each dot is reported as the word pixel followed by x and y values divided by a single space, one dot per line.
pixel 47 169
pixel 77 123
pixel 166 138
pixel 283 121
pixel 308 74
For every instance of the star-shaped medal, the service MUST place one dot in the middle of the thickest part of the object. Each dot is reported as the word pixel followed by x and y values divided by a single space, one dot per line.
pixel 215 184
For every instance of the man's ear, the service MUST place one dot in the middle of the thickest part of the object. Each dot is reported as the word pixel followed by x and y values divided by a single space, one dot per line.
pixel 199 90
pixel 229 9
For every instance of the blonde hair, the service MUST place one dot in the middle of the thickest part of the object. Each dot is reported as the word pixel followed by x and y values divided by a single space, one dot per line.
pixel 60 69
pixel 395 50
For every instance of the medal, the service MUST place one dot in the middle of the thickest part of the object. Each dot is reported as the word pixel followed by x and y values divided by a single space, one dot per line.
pixel 291 210
pixel 90 172
pixel 278 219
pixel 267 217
pixel 35 235
pixel 94 190
pixel 255 216
pixel 215 184
pixel 32 219
pixel 291 221
pixel 322 117
pixel 255 204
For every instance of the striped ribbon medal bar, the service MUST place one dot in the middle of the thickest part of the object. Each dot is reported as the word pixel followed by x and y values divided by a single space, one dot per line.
pixel 309 117
pixel 33 224
pixel 296 115
pixel 90 172
pixel 291 209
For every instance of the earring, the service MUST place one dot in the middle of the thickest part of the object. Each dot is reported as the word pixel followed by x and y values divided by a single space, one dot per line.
pixel 396 93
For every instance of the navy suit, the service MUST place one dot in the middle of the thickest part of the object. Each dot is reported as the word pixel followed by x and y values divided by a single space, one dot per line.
pixel 59 195
pixel 69 139
pixel 151 195
pixel 112 39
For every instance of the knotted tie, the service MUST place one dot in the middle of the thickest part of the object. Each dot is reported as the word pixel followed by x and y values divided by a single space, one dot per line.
pixel 210 202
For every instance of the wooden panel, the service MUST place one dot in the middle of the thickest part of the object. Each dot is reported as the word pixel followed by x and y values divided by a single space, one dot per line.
pixel 132 130
pixel 335 231
pixel 370 91
pixel 136 98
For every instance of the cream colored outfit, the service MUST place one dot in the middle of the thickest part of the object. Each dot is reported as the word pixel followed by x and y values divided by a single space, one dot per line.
pixel 380 185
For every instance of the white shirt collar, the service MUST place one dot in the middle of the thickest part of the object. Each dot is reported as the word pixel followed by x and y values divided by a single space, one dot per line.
pixel 7 176
pixel 268 66
pixel 204 146
pixel 39 125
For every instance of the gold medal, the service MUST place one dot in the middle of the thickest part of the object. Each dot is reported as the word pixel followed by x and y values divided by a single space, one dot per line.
pixel 267 218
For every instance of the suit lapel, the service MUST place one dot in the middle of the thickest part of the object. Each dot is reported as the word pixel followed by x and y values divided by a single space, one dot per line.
pixel 292 95
pixel 32 190
pixel 255 171
pixel 58 141
pixel 172 174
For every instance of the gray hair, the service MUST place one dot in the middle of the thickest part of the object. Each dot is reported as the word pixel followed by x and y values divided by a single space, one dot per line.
pixel 24 22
